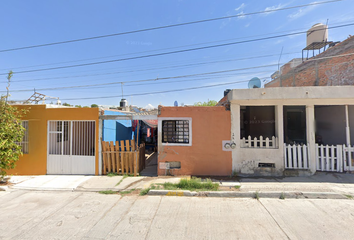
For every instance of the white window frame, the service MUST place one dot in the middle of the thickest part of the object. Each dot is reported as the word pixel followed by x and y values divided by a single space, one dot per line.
pixel 25 140
pixel 175 119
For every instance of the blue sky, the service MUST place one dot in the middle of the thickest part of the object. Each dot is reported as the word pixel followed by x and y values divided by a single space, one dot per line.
pixel 25 23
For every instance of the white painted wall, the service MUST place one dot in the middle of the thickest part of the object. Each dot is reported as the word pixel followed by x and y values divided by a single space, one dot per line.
pixel 246 160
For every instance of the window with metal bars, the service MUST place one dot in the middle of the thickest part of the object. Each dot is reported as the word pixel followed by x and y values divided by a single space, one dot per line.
pixel 24 142
pixel 175 131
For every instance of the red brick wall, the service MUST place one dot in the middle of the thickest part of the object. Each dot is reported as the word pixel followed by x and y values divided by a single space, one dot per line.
pixel 328 71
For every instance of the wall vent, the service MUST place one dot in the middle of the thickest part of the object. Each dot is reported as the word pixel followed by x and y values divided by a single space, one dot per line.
pixel 266 165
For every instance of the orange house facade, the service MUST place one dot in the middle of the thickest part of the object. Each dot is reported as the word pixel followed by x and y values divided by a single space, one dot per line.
pixel 59 140
pixel 192 140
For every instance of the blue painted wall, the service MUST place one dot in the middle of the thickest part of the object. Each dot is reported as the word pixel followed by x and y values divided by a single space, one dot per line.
pixel 116 130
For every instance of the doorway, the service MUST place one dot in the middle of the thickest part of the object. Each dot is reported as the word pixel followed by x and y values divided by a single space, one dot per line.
pixel 295 125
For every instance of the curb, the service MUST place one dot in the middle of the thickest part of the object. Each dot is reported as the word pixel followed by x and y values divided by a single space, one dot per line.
pixel 78 189
pixel 178 193
pixel 98 189
pixel 234 194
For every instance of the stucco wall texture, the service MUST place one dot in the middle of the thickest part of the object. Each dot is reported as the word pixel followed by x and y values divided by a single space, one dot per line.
pixel 35 162
pixel 328 70
pixel 205 157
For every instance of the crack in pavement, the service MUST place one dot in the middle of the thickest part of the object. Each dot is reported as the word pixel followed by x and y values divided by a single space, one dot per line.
pixel 274 219
pixel 157 209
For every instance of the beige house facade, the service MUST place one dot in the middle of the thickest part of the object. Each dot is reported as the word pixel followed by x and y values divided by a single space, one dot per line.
pixel 292 130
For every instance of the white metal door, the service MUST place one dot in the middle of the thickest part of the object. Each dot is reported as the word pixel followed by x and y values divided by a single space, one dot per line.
pixel 71 147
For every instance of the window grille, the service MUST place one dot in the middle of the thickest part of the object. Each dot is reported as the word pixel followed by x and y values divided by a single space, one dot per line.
pixel 24 142
pixel 175 131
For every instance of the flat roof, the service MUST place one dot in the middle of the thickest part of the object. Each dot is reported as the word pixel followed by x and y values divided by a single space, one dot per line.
pixel 283 93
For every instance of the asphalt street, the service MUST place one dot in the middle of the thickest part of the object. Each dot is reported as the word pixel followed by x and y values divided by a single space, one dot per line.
pixel 86 215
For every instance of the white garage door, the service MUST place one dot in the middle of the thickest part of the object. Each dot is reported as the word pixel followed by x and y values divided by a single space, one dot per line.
pixel 71 147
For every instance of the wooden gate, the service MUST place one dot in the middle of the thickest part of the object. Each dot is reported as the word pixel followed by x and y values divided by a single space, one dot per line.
pixel 123 157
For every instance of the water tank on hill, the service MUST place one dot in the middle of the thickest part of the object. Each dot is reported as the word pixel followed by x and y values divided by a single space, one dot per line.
pixel 317 33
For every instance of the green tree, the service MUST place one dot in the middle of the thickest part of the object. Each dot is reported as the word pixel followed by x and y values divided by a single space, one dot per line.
pixel 209 103
pixel 66 104
pixel 94 105
pixel 11 131
pixel 78 106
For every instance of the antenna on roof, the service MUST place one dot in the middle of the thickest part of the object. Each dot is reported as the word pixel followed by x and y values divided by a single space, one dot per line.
pixel 122 88
pixel 281 52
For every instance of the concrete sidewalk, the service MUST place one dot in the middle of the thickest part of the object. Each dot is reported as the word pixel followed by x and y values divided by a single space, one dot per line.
pixel 342 183
pixel 48 182
pixel 318 185
pixel 85 183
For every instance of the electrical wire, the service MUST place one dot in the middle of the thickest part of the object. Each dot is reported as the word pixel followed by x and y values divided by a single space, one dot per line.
pixel 184 76
pixel 149 69
pixel 173 52
pixel 199 78
pixel 166 91
pixel 167 26
pixel 144 80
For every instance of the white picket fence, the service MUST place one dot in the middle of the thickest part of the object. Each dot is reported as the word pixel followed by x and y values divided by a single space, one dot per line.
pixel 334 158
pixel 348 158
pixel 329 158
pixel 259 143
pixel 296 156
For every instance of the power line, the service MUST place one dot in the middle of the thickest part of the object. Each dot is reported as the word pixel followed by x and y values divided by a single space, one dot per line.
pixel 173 52
pixel 134 53
pixel 145 80
pixel 166 91
pixel 189 45
pixel 148 69
pixel 182 76
pixel 198 78
pixel 168 26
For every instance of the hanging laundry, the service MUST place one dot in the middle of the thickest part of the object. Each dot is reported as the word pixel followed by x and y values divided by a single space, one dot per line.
pixel 134 124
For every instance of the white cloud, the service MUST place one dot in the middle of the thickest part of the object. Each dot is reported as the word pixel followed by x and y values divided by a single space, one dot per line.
pixel 272 9
pixel 247 25
pixel 301 12
pixel 242 15
pixel 278 41
pixel 242 6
